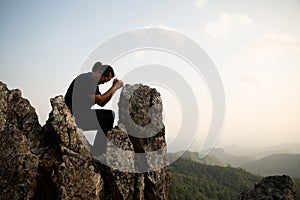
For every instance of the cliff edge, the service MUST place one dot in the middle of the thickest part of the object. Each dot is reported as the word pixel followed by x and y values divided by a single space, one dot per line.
pixel 54 161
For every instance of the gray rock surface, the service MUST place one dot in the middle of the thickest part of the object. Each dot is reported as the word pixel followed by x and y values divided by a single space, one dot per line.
pixel 19 139
pixel 272 187
pixel 54 161
pixel 117 172
pixel 140 113
pixel 69 160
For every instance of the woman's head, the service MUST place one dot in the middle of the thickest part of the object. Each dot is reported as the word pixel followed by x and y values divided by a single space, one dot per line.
pixel 105 72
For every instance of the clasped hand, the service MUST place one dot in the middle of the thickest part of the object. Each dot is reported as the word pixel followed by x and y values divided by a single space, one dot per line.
pixel 118 83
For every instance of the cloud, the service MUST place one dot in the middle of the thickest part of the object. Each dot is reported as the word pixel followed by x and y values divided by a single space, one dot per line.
pixel 274 44
pixel 225 23
pixel 200 3
pixel 269 63
pixel 165 31
pixel 271 47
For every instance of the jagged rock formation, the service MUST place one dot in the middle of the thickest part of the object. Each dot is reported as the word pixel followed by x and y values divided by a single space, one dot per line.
pixel 140 113
pixel 67 157
pixel 272 187
pixel 54 161
pixel 138 164
pixel 19 141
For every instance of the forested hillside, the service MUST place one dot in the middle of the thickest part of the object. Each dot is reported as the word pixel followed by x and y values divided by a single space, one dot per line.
pixel 191 180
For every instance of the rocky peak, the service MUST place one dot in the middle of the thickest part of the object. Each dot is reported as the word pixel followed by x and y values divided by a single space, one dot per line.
pixel 54 161
pixel 19 141
pixel 272 187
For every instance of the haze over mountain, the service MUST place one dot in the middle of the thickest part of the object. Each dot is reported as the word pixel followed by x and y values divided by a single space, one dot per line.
pixel 259 152
pixel 276 164
pixel 272 164
pixel 216 157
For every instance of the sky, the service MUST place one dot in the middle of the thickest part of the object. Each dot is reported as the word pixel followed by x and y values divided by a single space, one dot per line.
pixel 255 46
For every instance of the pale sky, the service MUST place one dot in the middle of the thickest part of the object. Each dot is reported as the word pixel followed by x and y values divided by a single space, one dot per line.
pixel 254 44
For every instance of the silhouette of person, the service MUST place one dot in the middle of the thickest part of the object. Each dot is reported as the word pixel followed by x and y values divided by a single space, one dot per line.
pixel 83 93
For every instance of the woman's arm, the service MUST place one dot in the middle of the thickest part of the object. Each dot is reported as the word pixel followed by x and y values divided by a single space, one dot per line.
pixel 102 99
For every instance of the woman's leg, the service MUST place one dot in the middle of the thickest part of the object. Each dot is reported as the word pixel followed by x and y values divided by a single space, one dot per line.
pixel 106 122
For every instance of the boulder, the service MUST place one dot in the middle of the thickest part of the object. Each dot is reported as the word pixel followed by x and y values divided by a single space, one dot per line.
pixel 272 187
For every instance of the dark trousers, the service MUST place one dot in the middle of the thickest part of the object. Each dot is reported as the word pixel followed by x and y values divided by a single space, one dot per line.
pixel 100 120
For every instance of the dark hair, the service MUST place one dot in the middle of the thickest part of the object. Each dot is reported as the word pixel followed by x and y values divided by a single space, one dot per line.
pixel 105 69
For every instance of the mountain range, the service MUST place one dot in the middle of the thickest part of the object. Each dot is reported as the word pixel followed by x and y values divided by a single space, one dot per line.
pixel 276 164
pixel 272 164
pixel 191 179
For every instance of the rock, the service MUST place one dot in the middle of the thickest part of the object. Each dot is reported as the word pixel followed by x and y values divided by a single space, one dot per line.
pixel 67 157
pixel 19 137
pixel 117 172
pixel 136 150
pixel 54 161
pixel 140 113
pixel 120 151
pixel 272 187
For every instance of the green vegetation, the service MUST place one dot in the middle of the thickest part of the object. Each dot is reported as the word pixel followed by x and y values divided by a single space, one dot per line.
pixel 194 156
pixel 192 180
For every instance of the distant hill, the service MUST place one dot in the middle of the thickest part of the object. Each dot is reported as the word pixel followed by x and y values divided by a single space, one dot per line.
pixel 258 153
pixel 193 180
pixel 216 157
pixel 228 159
pixel 279 149
pixel 194 156
pixel 276 164
pixel 267 166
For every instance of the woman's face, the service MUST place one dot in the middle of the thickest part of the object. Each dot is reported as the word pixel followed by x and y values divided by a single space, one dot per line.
pixel 105 79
